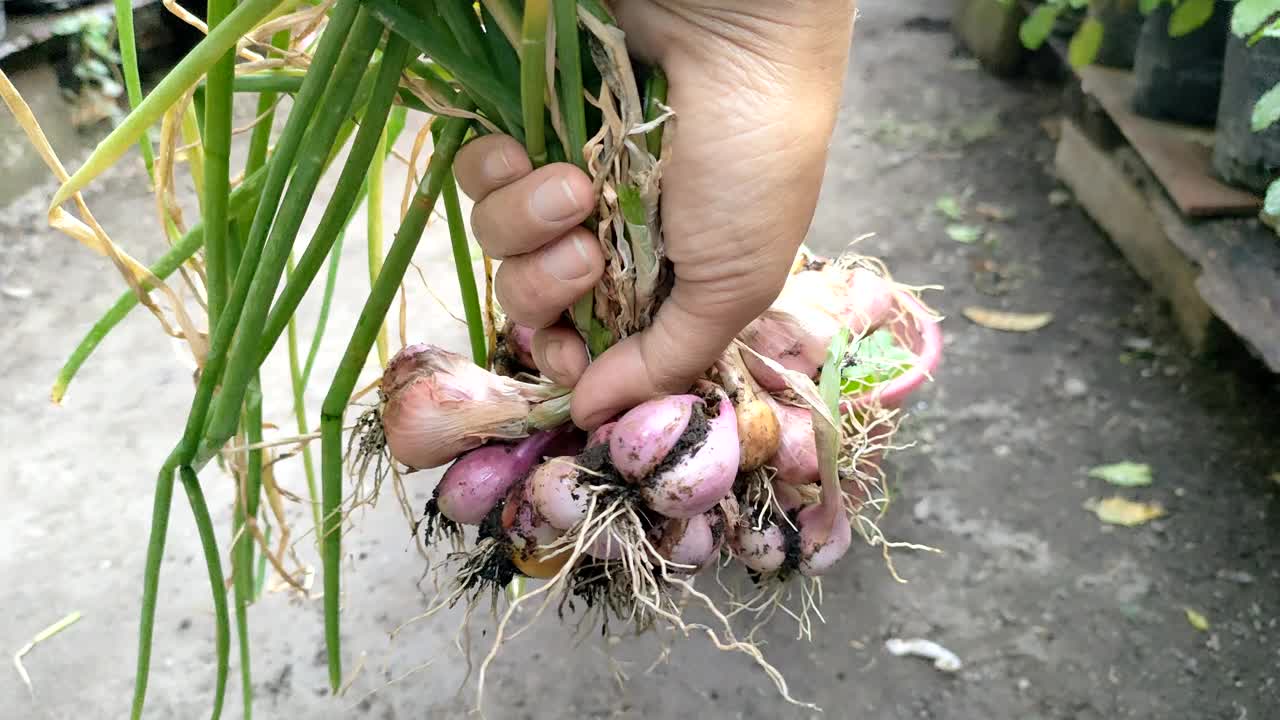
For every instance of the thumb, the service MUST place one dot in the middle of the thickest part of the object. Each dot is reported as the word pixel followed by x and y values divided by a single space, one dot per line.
pixel 688 334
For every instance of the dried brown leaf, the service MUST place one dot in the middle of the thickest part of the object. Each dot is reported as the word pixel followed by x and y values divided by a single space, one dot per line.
pixel 1007 321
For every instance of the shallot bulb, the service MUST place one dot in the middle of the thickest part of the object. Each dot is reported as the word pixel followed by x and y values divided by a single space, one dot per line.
pixel 600 436
pixel 474 484
pixel 762 549
pixel 556 493
pixel 691 542
pixel 814 305
pixel 529 534
pixel 757 424
pixel 680 450
pixel 797 457
pixel 439 405
pixel 825 537
pixel 515 350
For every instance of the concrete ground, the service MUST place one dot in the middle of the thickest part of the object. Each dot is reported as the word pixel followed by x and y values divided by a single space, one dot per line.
pixel 1054 614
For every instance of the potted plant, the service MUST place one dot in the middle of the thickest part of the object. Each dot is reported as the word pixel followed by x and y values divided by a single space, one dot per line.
pixel 1107 35
pixel 1247 147
pixel 1178 66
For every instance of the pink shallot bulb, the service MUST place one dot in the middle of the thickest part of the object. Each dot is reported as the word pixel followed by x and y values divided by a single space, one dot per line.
pixel 475 482
pixel 762 549
pixel 680 450
pixel 797 458
pixel 690 542
pixel 815 305
pixel 439 405
pixel 823 541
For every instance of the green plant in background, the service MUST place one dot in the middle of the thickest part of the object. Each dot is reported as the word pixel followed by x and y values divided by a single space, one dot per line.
pixel 95 64
pixel 1087 38
pixel 1253 20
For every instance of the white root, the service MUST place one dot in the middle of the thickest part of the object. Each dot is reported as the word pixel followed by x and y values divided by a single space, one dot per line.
pixel 943 659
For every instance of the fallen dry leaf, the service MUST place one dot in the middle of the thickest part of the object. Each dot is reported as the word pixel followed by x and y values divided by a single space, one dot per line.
pixel 1197 620
pixel 967 234
pixel 1008 321
pixel 1124 474
pixel 1119 511
pixel 993 212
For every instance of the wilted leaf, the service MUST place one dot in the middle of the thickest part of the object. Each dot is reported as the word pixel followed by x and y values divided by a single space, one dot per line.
pixel 1036 28
pixel 1124 474
pixel 1267 110
pixel 1119 511
pixel 948 205
pixel 997 213
pixel 1249 15
pixel 1085 43
pixel 1198 621
pixel 964 233
pixel 1189 15
pixel 1008 321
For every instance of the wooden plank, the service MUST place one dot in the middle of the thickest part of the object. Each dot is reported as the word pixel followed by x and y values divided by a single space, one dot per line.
pixel 1122 210
pixel 1243 286
pixel 1180 156
pixel 1239 263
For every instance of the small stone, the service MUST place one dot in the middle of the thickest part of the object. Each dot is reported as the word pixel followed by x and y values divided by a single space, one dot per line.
pixel 1239 577
pixel 1059 198
pixel 1023 684
pixel 15 292
pixel 1213 643
pixel 1002 450
pixel 1075 387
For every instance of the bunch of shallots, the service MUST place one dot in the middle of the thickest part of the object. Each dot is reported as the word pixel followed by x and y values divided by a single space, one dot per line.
pixel 751 464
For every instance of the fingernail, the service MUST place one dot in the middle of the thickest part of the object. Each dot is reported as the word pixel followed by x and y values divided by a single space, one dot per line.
pixel 497 166
pixel 567 259
pixel 551 361
pixel 554 201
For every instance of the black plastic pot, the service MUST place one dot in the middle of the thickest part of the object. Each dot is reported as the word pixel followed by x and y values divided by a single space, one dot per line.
pixel 1122 24
pixel 1180 78
pixel 1241 156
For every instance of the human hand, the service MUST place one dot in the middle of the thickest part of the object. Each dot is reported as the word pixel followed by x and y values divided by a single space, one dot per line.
pixel 756 88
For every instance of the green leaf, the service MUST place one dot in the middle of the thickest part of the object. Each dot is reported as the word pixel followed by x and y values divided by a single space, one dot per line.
pixel 1036 28
pixel 829 385
pixel 1267 110
pixel 1085 43
pixel 1249 15
pixel 949 206
pixel 875 360
pixel 1146 7
pixel 1272 204
pixel 967 234
pixel 1197 620
pixel 1189 15
pixel 1124 474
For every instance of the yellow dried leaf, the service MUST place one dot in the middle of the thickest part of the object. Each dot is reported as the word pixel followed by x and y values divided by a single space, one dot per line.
pixel 1119 511
pixel 1008 321
pixel 1197 620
